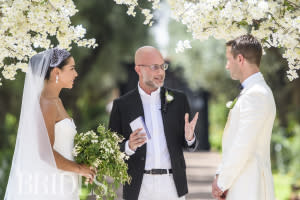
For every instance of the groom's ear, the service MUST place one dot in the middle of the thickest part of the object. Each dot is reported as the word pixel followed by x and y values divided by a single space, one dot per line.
pixel 240 58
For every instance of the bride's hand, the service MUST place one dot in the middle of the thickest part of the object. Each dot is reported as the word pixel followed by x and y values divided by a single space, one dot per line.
pixel 87 172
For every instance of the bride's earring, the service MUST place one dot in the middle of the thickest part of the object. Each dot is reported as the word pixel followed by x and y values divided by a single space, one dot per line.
pixel 56 81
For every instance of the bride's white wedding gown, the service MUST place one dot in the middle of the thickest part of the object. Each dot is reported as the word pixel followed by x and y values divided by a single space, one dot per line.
pixel 34 174
pixel 68 182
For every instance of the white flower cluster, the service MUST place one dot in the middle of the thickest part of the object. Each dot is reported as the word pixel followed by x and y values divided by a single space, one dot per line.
pixel 76 150
pixel 274 23
pixel 123 156
pixel 133 4
pixel 181 45
pixel 148 16
pixel 28 25
pixel 90 135
pixel 97 163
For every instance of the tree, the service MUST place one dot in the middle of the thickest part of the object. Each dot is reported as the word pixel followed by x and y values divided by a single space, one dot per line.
pixel 30 26
pixel 276 23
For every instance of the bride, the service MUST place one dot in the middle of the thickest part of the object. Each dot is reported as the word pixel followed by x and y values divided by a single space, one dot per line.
pixel 43 166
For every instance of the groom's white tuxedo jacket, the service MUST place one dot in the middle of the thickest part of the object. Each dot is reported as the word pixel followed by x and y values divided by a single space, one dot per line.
pixel 246 168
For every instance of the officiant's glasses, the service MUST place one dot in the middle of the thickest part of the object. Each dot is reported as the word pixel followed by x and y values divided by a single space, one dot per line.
pixel 156 67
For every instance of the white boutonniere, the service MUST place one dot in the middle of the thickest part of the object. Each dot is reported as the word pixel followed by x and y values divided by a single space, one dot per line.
pixel 169 97
pixel 230 104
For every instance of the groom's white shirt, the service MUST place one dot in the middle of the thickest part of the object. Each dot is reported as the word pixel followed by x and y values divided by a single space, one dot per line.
pixel 246 168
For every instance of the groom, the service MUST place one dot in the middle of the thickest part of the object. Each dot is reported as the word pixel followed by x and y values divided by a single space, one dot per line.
pixel 156 164
pixel 245 171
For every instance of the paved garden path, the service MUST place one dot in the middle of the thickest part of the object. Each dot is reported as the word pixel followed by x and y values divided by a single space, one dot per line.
pixel 201 168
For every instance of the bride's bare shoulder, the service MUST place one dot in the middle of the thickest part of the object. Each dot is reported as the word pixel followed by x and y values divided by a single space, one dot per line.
pixel 48 105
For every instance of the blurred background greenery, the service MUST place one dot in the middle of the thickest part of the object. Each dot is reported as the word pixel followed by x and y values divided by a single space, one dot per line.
pixel 101 70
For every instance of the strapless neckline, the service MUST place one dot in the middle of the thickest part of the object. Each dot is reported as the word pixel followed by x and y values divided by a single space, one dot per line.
pixel 67 118
pixel 66 122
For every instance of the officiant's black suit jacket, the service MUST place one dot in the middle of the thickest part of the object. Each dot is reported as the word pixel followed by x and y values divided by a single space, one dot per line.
pixel 126 109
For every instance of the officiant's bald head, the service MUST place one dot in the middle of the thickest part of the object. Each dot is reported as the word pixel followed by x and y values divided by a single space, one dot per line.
pixel 148 55
pixel 149 65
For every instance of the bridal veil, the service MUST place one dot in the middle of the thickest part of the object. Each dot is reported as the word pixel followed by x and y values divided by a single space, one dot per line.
pixel 33 165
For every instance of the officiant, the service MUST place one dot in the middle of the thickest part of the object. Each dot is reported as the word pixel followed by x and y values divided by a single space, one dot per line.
pixel 155 122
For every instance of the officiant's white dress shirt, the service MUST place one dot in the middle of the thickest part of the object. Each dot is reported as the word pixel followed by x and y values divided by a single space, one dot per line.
pixel 157 154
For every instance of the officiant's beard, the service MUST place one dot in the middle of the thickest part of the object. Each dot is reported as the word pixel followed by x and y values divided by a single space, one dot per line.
pixel 153 85
pixel 153 81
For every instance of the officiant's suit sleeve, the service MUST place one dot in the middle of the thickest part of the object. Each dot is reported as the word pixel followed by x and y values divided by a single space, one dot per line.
pixel 115 122
pixel 254 110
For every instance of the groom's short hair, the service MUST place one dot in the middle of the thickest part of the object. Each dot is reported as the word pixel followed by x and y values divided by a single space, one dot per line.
pixel 248 46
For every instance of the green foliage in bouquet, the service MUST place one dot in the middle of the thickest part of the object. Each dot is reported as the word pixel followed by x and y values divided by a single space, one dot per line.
pixel 101 150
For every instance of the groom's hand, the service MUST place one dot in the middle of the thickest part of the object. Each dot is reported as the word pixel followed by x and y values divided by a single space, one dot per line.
pixel 216 191
pixel 136 139
pixel 223 196
pixel 190 126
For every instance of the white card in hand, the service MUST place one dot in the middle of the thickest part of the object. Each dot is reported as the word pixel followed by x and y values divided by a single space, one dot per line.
pixel 139 123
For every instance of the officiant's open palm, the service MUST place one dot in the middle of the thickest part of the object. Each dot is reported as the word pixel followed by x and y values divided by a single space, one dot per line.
pixel 189 127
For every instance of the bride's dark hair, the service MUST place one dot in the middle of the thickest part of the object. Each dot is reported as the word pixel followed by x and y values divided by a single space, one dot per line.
pixel 60 66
